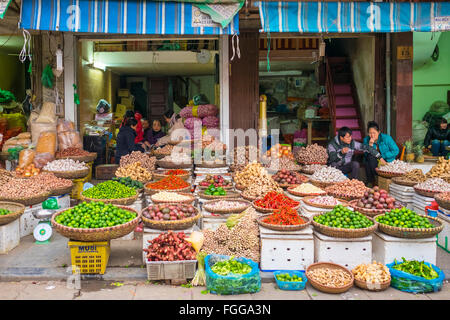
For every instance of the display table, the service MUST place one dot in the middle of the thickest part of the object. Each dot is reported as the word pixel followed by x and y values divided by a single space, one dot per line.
pixel 346 252
pixel 286 250
pixel 387 248
pixel 9 236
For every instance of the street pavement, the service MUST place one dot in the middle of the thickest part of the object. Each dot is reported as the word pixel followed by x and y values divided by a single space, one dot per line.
pixel 145 290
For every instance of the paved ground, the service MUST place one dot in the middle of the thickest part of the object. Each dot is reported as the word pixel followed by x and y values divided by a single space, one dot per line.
pixel 142 290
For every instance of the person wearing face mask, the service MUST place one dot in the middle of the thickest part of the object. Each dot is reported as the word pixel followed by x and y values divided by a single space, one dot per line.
pixel 341 150
pixel 384 144
pixel 438 138
pixel 125 140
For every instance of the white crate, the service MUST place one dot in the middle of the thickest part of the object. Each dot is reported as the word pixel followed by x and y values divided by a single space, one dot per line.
pixel 287 250
pixel 346 252
pixel 129 236
pixel 137 205
pixel 150 234
pixel 9 236
pixel 212 222
pixel 309 211
pixel 27 222
pixel 444 235
pixel 387 248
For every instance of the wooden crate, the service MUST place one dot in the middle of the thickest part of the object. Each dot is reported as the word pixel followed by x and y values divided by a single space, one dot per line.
pixel 105 171
pixel 384 183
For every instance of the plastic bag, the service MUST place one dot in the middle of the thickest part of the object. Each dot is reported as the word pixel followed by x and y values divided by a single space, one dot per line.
pixel 69 139
pixel 26 157
pixel 47 113
pixel 41 159
pixel 233 283
pixel 65 125
pixel 407 282
pixel 46 142
pixel 37 128
pixel 200 99
pixel 196 238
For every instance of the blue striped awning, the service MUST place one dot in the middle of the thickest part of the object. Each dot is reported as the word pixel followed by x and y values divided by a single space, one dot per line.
pixel 354 17
pixel 120 17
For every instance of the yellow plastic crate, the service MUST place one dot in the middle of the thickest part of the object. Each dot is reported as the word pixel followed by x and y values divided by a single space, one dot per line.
pixel 90 257
pixel 78 187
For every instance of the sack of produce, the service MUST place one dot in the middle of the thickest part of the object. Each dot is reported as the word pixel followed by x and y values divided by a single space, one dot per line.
pixel 206 110
pixel 38 128
pixel 186 112
pixel 191 122
pixel 65 125
pixel 26 157
pixel 69 139
pixel 211 122
pixel 46 142
pixel 415 276
pixel 228 275
pixel 41 159
pixel 47 113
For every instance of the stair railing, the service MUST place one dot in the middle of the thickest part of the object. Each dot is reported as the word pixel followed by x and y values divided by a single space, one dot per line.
pixel 331 97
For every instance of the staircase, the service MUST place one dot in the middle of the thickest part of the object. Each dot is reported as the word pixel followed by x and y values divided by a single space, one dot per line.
pixel 343 98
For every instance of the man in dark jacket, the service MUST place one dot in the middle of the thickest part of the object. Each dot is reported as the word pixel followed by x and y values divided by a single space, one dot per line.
pixel 341 150
pixel 125 140
pixel 438 138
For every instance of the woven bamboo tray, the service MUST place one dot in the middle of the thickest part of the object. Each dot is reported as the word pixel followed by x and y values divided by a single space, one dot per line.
pixel 300 194
pixel 388 175
pixel 161 175
pixel 88 158
pixel 150 191
pixel 225 188
pixel 400 181
pixel 123 201
pixel 172 224
pixel 321 184
pixel 28 201
pixel 265 210
pixel 307 201
pixel 441 202
pixel 79 174
pixel 367 212
pixel 61 191
pixel 372 286
pixel 97 234
pixel 411 233
pixel 172 165
pixel 239 187
pixel 343 232
pixel 307 163
pixel 342 197
pixel 191 199
pixel 225 211
pixel 283 228
pixel 328 289
pixel 229 195
pixel 16 209
pixel 426 193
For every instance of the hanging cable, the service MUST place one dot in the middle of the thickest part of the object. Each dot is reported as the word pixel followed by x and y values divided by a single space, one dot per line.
pixel 26 51
pixel 237 50
pixel 268 51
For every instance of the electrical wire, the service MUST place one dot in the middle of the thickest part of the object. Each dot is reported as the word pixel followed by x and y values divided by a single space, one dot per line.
pixel 25 52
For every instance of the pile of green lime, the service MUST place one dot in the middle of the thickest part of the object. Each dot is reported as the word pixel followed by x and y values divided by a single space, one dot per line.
pixel 94 215
pixel 404 218
pixel 4 212
pixel 129 182
pixel 109 190
pixel 213 191
pixel 286 277
pixel 342 217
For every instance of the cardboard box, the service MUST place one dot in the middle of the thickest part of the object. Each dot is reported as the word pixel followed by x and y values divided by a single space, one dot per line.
pixel 128 102
pixel 123 93
pixel 120 110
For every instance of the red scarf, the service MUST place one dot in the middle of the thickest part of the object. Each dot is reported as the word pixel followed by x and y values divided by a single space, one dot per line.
pixel 139 130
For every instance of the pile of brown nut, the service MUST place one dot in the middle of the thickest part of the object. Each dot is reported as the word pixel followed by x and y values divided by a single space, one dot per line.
pixel 22 188
pixel 351 188
pixel 51 182
pixel 311 154
pixel 137 156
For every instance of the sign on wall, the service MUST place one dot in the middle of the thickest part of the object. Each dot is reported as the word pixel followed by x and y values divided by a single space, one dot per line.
pixel 4 4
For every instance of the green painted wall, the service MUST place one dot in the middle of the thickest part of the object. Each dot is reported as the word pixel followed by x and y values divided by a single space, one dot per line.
pixel 12 75
pixel 431 80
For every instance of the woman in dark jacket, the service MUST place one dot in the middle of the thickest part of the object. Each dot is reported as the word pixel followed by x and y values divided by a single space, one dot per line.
pixel 437 138
pixel 153 134
pixel 125 140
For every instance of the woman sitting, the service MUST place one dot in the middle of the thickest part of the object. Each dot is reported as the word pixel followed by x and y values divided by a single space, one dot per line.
pixel 153 134
pixel 125 140
pixel 437 138
pixel 175 122
pixel 385 145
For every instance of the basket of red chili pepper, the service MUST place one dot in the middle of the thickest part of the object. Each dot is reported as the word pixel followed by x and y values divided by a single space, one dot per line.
pixel 170 183
pixel 284 219
pixel 274 200
pixel 161 174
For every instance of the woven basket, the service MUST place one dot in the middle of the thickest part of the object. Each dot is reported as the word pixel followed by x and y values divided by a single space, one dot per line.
pixel 79 174
pixel 159 176
pixel 411 233
pixel 172 224
pixel 367 212
pixel 283 228
pixel 342 197
pixel 441 202
pixel 321 184
pixel 28 201
pixel 172 165
pixel 191 199
pixel 150 191
pixel 229 195
pixel 264 210
pixel 307 201
pixel 300 194
pixel 372 286
pixel 97 234
pixel 306 163
pixel 342 232
pixel 225 188
pixel 400 181
pixel 328 289
pixel 89 158
pixel 388 175
pixel 225 211
pixel 61 191
pixel 240 187
pixel 426 193
pixel 16 209
pixel 123 201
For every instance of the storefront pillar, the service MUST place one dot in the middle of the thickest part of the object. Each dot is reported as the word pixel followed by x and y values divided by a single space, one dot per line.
pixel 70 58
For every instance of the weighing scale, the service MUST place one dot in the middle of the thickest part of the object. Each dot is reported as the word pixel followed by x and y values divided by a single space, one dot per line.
pixel 43 231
